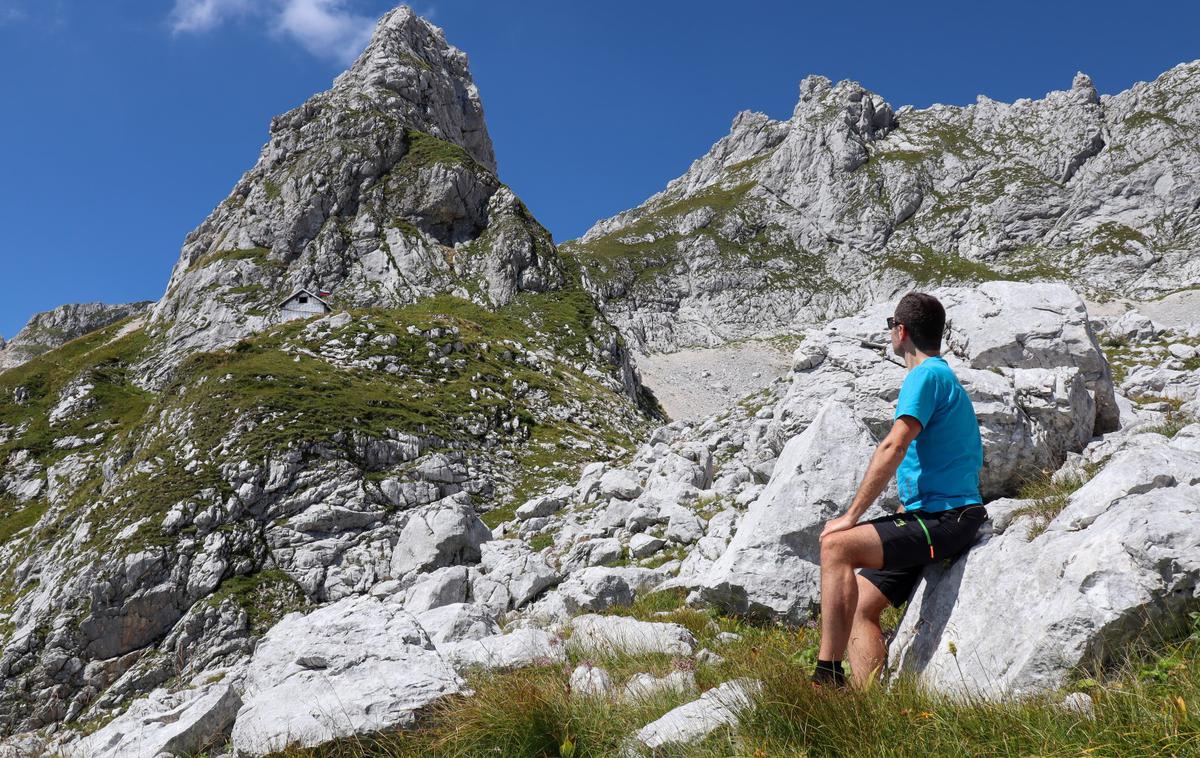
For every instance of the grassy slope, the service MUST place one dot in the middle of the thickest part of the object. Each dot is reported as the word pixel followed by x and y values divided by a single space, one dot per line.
pixel 272 392
pixel 1148 707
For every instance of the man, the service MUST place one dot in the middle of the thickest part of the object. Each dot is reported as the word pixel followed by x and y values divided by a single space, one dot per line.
pixel 935 446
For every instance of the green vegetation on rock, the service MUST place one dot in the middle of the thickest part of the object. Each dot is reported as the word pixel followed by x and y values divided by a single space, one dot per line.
pixel 927 266
pixel 256 254
pixel 265 596
pixel 427 150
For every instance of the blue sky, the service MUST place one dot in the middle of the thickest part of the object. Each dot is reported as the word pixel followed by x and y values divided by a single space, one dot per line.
pixel 125 122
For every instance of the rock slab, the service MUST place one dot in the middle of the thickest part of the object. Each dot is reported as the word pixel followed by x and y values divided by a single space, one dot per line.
pixel 353 667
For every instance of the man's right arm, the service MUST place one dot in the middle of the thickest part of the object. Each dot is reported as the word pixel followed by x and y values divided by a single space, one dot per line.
pixel 882 467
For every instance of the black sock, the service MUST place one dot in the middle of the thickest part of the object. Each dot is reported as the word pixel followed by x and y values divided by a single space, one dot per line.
pixel 829 672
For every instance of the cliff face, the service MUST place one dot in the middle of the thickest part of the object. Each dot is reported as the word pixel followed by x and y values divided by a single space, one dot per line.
pixel 850 201
pixel 49 329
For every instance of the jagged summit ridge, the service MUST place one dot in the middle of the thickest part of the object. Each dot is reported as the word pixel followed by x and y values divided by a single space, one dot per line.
pixel 850 201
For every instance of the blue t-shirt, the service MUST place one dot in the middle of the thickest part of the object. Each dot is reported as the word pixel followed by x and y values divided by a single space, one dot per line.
pixel 940 470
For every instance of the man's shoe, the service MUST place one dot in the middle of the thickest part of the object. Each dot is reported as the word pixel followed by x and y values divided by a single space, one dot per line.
pixel 829 678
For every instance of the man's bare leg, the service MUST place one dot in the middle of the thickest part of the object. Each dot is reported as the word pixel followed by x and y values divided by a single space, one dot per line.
pixel 841 553
pixel 867 652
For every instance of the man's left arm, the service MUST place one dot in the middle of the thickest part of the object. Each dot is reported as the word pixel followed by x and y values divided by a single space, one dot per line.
pixel 884 463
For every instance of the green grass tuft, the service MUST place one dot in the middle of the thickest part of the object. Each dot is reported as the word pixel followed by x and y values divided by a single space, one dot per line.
pixel 1049 497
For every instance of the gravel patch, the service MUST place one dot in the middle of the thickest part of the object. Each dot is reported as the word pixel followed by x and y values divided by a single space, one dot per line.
pixel 694 384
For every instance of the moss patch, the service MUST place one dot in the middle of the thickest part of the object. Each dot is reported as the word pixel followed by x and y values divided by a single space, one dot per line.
pixel 265 596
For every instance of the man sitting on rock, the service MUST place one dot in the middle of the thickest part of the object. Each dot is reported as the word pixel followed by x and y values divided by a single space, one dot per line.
pixel 935 451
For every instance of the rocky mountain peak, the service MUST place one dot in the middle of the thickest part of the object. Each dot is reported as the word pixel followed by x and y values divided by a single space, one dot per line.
pixel 1082 84
pixel 850 200
pixel 408 67
pixel 381 191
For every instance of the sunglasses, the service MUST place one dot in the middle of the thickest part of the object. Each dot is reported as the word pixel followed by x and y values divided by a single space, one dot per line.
pixel 892 323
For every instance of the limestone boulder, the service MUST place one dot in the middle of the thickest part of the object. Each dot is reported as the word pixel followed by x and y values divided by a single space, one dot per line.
pixel 647 686
pixel 692 722
pixel 182 722
pixel 353 667
pixel 595 589
pixel 597 635
pixel 644 545
pixel 597 552
pixel 457 622
pixel 591 681
pixel 621 484
pixel 516 649
pixel 1122 558
pixel 441 587
pixel 542 506
pixel 523 572
pixel 444 533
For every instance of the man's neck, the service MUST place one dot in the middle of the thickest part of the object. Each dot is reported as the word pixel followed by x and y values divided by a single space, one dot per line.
pixel 915 358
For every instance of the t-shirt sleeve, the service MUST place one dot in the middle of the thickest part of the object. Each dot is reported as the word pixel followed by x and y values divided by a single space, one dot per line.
pixel 918 396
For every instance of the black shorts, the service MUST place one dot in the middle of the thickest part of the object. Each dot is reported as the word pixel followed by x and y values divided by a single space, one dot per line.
pixel 908 548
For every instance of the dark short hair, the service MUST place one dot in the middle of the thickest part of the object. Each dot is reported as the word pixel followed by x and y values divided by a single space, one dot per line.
pixel 925 318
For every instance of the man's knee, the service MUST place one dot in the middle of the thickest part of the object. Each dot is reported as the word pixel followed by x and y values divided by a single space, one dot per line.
pixel 841 547
pixel 834 549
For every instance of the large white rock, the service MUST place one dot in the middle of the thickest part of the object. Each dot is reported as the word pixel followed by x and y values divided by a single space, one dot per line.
pixel 599 635
pixel 772 566
pixel 594 589
pixel 1132 326
pixel 644 545
pixel 440 534
pixel 441 587
pixel 647 686
pixel 1122 556
pixel 164 723
pixel 684 527
pixel 596 552
pixel 542 506
pixel 591 681
pixel 523 647
pixel 620 483
pixel 457 622
pixel 692 722
pixel 353 667
pixel 514 564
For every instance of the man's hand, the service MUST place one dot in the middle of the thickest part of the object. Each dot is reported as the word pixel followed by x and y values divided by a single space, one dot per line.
pixel 839 524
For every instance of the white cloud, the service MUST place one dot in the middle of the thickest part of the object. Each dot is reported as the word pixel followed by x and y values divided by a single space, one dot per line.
pixel 326 28
pixel 202 15
pixel 323 27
